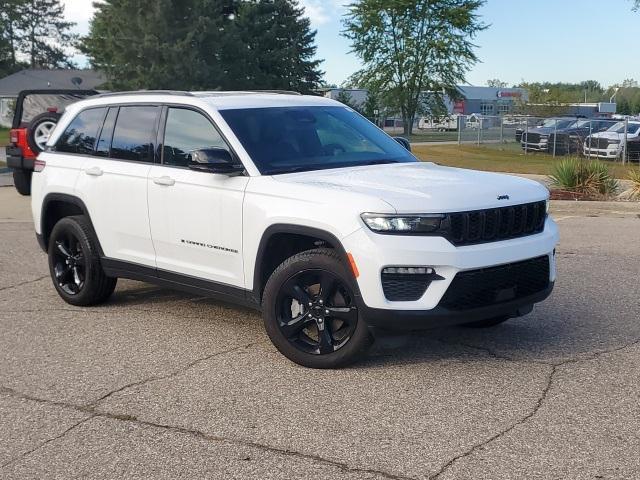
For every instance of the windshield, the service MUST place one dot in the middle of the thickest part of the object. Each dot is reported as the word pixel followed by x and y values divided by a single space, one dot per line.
pixel 557 123
pixel 619 127
pixel 293 139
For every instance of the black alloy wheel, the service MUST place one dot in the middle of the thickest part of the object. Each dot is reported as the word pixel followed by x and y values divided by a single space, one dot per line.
pixel 311 312
pixel 74 263
pixel 316 311
pixel 69 266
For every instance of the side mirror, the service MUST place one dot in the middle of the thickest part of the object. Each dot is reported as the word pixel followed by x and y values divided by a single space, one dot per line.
pixel 403 141
pixel 214 160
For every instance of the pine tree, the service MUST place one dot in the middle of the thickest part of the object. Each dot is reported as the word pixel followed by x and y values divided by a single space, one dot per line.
pixel 44 34
pixel 203 44
pixel 10 35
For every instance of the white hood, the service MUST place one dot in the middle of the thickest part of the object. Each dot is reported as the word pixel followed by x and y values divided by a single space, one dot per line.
pixel 425 187
pixel 609 135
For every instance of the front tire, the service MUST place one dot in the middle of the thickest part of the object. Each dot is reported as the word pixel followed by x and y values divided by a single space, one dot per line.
pixel 74 263
pixel 310 312
pixel 22 182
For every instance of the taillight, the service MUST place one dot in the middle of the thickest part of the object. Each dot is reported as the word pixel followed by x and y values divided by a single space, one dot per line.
pixel 38 165
pixel 13 136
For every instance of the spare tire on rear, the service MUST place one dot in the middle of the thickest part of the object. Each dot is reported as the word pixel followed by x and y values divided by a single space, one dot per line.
pixel 39 130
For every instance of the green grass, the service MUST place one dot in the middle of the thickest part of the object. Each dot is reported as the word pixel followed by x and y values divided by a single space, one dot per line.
pixel 4 137
pixel 499 158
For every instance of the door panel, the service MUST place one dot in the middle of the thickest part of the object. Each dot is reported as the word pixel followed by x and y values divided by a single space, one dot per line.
pixel 195 217
pixel 117 202
pixel 196 223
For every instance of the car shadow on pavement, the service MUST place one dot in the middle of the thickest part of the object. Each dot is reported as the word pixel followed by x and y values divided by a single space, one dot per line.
pixel 532 338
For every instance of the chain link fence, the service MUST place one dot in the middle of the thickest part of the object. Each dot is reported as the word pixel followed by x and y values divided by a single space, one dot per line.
pixel 603 138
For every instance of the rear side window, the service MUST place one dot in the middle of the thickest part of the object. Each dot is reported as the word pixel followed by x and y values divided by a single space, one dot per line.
pixel 134 133
pixel 185 132
pixel 81 134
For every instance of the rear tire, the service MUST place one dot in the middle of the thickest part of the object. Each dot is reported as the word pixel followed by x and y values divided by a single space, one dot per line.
pixel 74 263
pixel 488 323
pixel 22 182
pixel 310 311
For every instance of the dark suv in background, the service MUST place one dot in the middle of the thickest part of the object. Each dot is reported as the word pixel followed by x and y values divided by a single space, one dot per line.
pixel 36 114
pixel 537 138
pixel 571 139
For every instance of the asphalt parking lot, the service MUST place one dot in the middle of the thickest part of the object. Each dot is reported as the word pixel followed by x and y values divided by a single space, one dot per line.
pixel 157 384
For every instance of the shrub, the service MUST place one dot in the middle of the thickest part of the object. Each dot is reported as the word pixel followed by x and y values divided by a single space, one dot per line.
pixel 633 192
pixel 587 177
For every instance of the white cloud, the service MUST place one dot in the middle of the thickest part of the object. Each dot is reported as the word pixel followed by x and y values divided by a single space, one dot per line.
pixel 80 12
pixel 321 12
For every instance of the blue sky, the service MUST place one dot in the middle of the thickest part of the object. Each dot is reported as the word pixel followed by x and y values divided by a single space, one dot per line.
pixel 532 40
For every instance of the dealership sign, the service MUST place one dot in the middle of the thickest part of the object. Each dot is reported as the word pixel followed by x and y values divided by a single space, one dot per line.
pixel 509 94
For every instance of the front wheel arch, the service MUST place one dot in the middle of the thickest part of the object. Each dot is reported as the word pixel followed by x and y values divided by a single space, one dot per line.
pixel 262 269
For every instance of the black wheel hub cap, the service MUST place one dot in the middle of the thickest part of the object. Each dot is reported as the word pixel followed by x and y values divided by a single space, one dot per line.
pixel 69 267
pixel 316 311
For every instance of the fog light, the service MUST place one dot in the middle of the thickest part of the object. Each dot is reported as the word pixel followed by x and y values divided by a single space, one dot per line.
pixel 409 270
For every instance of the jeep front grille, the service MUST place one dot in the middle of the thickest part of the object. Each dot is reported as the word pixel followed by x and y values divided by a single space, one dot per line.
pixel 494 224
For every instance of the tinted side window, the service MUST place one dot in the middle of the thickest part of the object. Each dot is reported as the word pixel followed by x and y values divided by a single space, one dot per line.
pixel 80 135
pixel 185 132
pixel 134 133
pixel 104 142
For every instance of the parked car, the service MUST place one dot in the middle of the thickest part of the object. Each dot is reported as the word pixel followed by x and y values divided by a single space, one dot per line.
pixel 610 143
pixel 537 138
pixel 633 149
pixel 291 204
pixel 441 124
pixel 476 121
pixel 529 123
pixel 571 139
pixel 36 114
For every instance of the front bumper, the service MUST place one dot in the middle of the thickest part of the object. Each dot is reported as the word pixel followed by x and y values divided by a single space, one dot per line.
pixel 373 252
pixel 611 152
pixel 17 161
pixel 441 317
pixel 538 147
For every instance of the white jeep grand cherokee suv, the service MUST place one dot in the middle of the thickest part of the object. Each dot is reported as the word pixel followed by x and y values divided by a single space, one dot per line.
pixel 295 205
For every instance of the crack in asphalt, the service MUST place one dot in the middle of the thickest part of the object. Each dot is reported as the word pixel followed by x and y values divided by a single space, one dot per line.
pixel 500 434
pixel 46 442
pixel 26 282
pixel 185 431
pixel 90 409
pixel 94 404
pixel 539 403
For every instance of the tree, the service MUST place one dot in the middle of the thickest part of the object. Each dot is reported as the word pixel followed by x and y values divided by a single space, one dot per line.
pixel 203 44
pixel 411 46
pixel 496 83
pixel 346 98
pixel 275 48
pixel 44 34
pixel 371 106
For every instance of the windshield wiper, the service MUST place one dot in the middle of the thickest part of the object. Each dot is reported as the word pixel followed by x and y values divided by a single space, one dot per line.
pixel 277 171
pixel 377 162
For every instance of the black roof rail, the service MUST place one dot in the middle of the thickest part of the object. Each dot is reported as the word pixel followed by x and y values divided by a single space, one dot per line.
pixel 148 92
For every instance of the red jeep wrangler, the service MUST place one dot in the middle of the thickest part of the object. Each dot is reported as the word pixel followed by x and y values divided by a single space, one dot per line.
pixel 36 114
